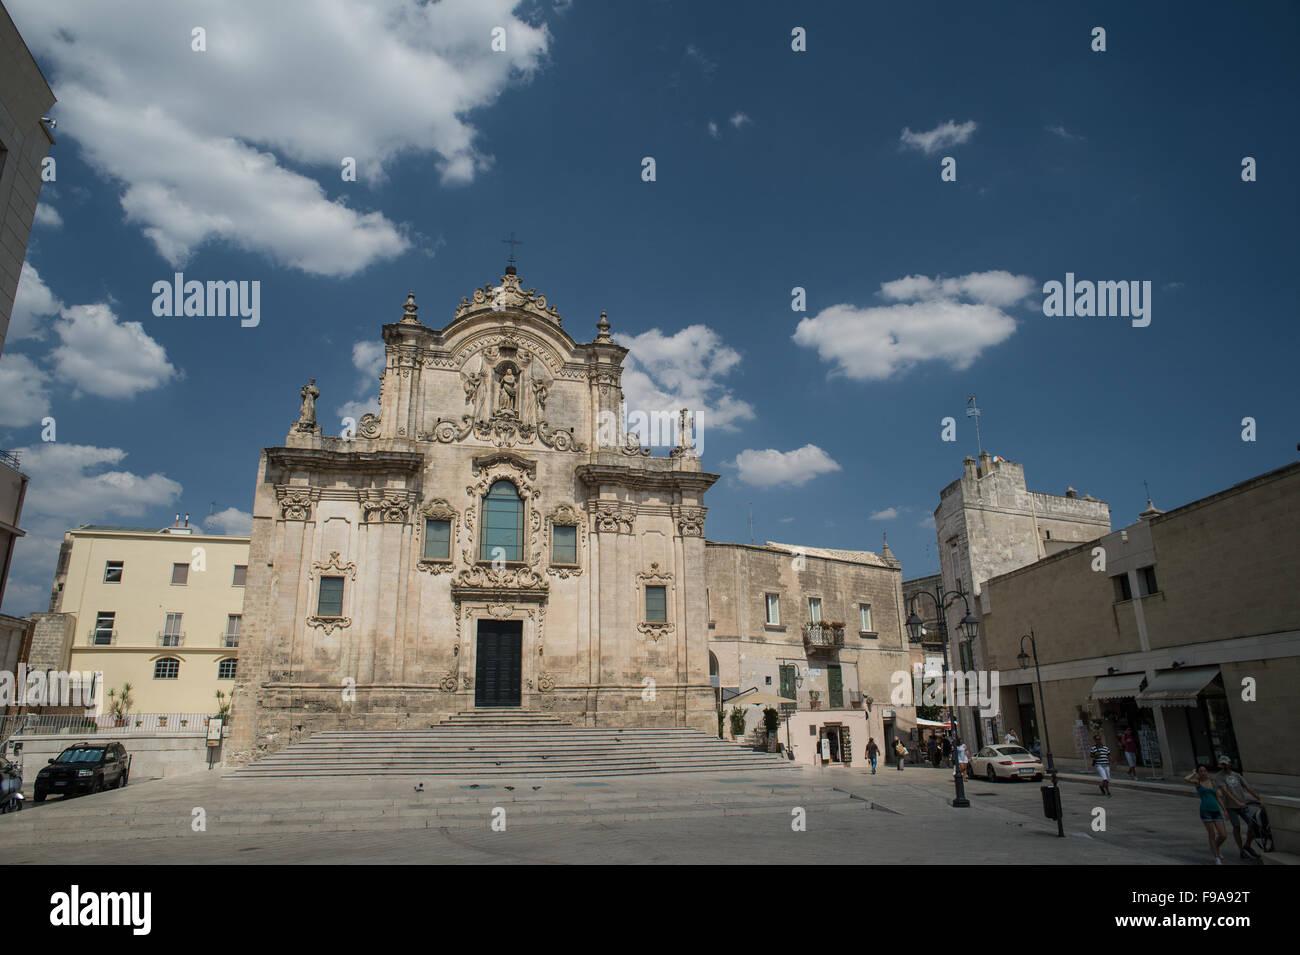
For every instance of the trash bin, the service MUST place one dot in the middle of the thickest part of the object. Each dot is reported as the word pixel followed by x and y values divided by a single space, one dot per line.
pixel 1051 802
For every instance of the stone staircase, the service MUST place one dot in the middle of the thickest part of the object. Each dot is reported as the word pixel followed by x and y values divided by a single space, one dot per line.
pixel 498 744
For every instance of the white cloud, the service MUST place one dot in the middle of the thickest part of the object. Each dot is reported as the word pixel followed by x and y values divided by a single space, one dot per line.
pixel 739 119
pixel 200 141
pixel 997 287
pixel 683 370
pixel 34 306
pixel 104 357
pixel 713 130
pixel 873 343
pixel 946 134
pixel 888 514
pixel 232 521
pixel 368 357
pixel 70 485
pixel 47 215
pixel 24 397
pixel 772 468
pixel 1063 133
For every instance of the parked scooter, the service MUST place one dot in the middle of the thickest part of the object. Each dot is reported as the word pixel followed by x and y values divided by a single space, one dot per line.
pixel 11 786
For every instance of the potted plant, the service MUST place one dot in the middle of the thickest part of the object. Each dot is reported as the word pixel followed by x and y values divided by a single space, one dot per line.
pixel 223 711
pixel 771 720
pixel 737 723
pixel 119 704
pixel 815 699
pixel 162 721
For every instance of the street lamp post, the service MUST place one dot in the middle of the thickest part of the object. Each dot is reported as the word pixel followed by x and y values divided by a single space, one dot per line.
pixel 1023 658
pixel 970 626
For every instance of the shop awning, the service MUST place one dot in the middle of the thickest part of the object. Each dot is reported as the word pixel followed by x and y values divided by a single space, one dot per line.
pixel 1119 686
pixel 933 723
pixel 759 698
pixel 1177 687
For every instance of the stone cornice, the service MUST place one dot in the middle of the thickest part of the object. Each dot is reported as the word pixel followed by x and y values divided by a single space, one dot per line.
pixel 595 475
pixel 365 462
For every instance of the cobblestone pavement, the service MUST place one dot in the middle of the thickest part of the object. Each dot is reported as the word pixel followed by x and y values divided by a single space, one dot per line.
pixel 852 817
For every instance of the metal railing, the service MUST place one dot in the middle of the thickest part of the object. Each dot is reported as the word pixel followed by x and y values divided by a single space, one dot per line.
pixel 10 458
pixel 167 638
pixel 72 725
pixel 93 641
pixel 228 639
pixel 822 635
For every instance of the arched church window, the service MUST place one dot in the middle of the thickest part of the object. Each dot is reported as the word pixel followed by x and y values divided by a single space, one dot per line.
pixel 503 523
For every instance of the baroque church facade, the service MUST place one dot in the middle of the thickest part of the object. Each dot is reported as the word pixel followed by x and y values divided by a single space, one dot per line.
pixel 492 538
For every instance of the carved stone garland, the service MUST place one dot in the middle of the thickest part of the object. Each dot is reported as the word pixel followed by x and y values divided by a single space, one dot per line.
pixel 296 503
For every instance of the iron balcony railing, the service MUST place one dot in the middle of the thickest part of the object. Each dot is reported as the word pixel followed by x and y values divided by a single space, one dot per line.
pixel 168 638
pixel 822 635
pixel 229 639
pixel 101 638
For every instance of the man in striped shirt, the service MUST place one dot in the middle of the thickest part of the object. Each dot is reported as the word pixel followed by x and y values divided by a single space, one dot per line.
pixel 1101 759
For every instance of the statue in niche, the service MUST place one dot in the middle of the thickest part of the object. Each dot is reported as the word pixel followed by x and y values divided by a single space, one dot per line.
pixel 508 389
pixel 538 387
pixel 474 380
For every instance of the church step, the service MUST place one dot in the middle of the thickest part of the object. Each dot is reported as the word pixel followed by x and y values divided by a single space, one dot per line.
pixel 473 751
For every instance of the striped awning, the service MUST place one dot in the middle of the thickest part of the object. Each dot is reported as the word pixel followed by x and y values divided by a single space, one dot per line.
pixel 1177 687
pixel 1119 686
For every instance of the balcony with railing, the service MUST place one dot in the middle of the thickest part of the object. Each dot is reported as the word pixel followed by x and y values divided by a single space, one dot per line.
pixel 228 639
pixel 823 636
pixel 171 638
pixel 100 637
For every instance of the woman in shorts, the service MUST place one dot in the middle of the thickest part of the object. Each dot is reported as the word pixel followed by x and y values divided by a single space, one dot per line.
pixel 1211 811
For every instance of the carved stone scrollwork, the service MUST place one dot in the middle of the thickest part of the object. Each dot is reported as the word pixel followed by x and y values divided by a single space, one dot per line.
pixel 655 630
pixel 654 575
pixel 386 505
pixel 334 564
pixel 466 681
pixel 483 577
pixel 615 518
pixel 546 683
pixel 632 446
pixel 449 682
pixel 447 432
pixel 369 426
pixel 296 503
pixel 690 521
pixel 509 295
pixel 329 624
pixel 559 440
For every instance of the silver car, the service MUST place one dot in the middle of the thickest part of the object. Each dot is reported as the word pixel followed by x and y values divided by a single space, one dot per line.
pixel 1006 761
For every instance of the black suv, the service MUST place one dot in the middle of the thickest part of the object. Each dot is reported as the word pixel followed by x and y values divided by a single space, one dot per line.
pixel 84 768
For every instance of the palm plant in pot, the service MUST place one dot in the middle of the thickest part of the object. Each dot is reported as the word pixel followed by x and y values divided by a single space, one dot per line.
pixel 119 704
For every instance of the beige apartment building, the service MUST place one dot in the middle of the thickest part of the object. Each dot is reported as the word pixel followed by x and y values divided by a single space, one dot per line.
pixel 821 627
pixel 159 609
pixel 1183 627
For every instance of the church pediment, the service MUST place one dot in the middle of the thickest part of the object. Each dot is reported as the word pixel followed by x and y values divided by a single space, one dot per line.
pixel 508 294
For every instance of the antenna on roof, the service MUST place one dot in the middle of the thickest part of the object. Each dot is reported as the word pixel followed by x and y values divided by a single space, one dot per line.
pixel 973 411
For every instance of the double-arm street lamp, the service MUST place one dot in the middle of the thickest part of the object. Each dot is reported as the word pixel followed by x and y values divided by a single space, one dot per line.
pixel 970 627
pixel 1023 658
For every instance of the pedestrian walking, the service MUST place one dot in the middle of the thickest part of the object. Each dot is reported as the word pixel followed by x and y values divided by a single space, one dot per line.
pixel 1128 739
pixel 900 751
pixel 1100 754
pixel 1211 811
pixel 934 750
pixel 873 753
pixel 1234 792
pixel 945 746
pixel 963 758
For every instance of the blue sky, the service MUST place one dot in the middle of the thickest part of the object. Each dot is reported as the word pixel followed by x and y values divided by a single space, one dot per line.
pixel 774 169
